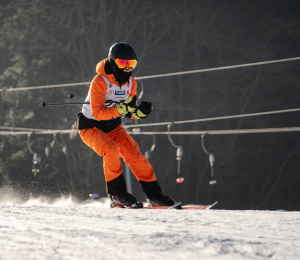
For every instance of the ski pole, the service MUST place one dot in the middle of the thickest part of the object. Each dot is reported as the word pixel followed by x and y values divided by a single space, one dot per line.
pixel 61 104
pixel 75 97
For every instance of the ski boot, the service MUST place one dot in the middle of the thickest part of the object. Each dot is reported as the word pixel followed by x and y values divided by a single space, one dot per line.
pixel 155 196
pixel 125 200
pixel 162 200
pixel 119 197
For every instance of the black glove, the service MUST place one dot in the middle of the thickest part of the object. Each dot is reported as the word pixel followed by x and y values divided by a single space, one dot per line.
pixel 128 106
pixel 143 110
pixel 128 115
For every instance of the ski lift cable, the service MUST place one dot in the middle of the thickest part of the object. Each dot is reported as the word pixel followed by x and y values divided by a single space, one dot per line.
pixel 185 121
pixel 218 68
pixel 193 120
pixel 67 131
pixel 222 132
pixel 23 128
pixel 216 118
pixel 157 76
pixel 45 87
pixel 208 132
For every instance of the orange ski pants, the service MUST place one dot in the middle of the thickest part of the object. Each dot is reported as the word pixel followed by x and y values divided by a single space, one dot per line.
pixel 113 145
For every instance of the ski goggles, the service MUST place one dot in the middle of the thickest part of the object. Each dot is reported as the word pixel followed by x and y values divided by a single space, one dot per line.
pixel 122 64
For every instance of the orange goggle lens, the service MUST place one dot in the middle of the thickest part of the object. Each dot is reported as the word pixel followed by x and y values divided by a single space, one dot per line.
pixel 122 64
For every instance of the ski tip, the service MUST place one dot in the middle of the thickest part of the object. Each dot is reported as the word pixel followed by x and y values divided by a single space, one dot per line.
pixel 216 202
pixel 175 205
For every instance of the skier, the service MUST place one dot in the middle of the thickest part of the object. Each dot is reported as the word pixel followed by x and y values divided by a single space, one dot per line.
pixel 112 94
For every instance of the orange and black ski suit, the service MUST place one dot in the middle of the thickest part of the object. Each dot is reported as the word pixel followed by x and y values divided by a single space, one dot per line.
pixel 100 128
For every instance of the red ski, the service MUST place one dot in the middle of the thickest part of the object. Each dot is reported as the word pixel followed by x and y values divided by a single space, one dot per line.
pixel 192 207
pixel 175 206
pixel 140 206
pixel 197 207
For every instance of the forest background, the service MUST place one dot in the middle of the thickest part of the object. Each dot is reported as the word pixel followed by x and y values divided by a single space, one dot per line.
pixel 61 41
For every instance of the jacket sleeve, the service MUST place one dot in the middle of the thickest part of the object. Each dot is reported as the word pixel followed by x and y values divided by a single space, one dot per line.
pixel 97 99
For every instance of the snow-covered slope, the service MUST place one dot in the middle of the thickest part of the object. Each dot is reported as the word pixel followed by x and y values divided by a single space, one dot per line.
pixel 65 229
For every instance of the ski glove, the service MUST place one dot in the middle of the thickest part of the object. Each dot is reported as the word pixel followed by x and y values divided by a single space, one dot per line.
pixel 128 106
pixel 143 110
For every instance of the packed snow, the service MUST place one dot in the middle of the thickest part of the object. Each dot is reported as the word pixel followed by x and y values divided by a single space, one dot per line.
pixel 68 229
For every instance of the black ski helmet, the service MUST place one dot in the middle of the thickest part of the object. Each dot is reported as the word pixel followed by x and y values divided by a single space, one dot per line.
pixel 121 50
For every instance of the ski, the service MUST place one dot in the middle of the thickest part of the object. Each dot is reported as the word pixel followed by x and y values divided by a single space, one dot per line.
pixel 137 205
pixel 199 207
pixel 192 207
pixel 175 206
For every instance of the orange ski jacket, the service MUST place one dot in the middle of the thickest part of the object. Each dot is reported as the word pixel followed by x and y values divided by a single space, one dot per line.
pixel 105 94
